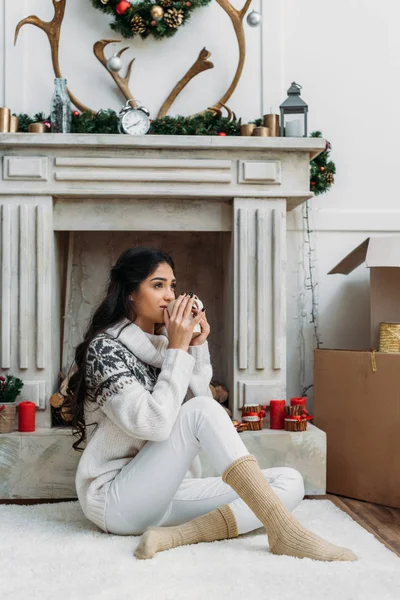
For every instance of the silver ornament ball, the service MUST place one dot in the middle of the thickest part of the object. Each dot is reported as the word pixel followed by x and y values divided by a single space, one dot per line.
pixel 253 18
pixel 114 63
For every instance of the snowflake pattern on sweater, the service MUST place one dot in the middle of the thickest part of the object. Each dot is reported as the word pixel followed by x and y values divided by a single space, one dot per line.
pixel 110 366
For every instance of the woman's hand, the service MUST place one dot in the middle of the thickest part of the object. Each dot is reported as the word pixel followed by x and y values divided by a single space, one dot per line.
pixel 180 325
pixel 205 329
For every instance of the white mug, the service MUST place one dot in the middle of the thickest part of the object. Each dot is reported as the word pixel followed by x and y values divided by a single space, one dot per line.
pixel 196 304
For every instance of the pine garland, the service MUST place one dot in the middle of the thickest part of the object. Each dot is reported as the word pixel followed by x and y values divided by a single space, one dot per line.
pixel 10 388
pixel 322 169
pixel 135 18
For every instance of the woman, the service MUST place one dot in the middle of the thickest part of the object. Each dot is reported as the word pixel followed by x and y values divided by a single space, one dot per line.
pixel 140 471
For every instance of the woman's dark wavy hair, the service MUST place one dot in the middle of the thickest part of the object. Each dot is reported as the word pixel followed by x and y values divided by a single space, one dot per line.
pixel 132 267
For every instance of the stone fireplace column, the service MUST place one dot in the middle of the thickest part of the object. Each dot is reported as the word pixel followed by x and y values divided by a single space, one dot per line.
pixel 259 365
pixel 26 236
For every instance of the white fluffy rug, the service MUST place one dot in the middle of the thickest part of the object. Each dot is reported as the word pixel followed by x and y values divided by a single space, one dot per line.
pixel 50 551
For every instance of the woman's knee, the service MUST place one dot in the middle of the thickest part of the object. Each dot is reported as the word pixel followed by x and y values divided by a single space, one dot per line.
pixel 204 403
pixel 296 483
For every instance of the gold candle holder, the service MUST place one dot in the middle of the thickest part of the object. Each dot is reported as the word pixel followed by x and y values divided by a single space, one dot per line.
pixel 247 129
pixel 5 115
pixel 261 131
pixel 37 128
pixel 272 122
pixel 14 123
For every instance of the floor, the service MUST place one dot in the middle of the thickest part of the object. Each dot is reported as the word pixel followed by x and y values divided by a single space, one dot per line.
pixel 382 521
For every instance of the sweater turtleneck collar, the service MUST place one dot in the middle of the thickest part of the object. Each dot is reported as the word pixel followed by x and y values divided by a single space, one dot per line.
pixel 148 347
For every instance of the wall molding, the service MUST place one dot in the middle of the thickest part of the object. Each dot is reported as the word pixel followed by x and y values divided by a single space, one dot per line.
pixel 346 220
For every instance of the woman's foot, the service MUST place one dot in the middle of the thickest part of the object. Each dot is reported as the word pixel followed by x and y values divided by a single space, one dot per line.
pixel 285 534
pixel 289 537
pixel 219 524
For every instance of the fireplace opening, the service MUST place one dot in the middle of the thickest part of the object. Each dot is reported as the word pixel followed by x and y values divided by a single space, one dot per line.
pixel 202 265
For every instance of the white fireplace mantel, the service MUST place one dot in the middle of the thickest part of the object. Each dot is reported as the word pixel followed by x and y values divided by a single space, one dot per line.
pixel 242 186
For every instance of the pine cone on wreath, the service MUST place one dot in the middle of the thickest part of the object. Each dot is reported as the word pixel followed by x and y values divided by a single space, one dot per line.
pixel 166 3
pixel 329 178
pixel 173 18
pixel 137 24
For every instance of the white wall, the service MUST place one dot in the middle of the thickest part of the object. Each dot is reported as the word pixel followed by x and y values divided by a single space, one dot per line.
pixel 345 54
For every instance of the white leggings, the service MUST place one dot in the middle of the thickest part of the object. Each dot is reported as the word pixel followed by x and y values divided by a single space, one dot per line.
pixel 152 489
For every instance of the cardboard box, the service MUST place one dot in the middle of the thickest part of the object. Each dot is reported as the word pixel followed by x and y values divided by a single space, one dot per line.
pixel 382 256
pixel 359 409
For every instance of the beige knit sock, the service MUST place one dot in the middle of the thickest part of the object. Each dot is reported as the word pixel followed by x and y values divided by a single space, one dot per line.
pixel 285 534
pixel 219 524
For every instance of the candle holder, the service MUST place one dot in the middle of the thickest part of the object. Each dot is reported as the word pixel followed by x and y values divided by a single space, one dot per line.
pixel 261 131
pixel 37 128
pixel 7 417
pixel 247 129
pixel 272 122
pixel 5 115
pixel 14 124
pixel 252 415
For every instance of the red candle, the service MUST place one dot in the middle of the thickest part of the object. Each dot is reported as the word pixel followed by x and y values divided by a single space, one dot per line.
pixel 298 402
pixel 26 416
pixel 277 412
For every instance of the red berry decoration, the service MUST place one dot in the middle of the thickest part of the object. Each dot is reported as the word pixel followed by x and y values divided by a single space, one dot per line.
pixel 122 7
pixel 222 133
pixel 322 169
pixel 153 23
pixel 47 124
pixel 313 183
pixel 76 113
pixel 188 3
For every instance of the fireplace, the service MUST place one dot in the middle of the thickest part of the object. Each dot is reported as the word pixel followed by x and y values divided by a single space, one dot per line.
pixel 71 203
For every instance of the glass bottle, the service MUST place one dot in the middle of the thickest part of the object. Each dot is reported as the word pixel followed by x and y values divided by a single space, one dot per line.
pixel 60 109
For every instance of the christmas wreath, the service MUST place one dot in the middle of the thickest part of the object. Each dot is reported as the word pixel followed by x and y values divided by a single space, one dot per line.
pixel 148 17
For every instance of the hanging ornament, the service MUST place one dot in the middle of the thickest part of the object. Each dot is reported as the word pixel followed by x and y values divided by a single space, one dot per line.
pixel 122 7
pixel 253 18
pixel 157 12
pixel 114 63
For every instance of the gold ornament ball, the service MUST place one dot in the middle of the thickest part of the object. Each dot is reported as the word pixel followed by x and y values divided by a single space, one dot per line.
pixel 157 12
pixel 104 1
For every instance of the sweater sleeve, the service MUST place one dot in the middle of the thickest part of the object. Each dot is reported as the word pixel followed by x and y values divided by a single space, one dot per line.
pixel 126 402
pixel 202 372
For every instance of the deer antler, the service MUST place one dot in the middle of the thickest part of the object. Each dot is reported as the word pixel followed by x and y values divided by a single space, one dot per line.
pixel 236 16
pixel 122 82
pixel 201 64
pixel 52 30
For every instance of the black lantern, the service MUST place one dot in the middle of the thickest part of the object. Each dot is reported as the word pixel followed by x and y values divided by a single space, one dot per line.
pixel 294 105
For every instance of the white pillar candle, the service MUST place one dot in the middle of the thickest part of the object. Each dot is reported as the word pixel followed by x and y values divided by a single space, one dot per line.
pixel 293 128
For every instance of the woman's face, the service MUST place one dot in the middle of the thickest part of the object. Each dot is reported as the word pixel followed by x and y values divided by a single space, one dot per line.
pixel 154 293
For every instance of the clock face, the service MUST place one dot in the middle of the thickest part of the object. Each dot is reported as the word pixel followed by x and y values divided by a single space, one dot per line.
pixel 135 122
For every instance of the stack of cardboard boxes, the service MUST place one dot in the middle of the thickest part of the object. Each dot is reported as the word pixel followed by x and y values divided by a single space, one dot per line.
pixel 357 392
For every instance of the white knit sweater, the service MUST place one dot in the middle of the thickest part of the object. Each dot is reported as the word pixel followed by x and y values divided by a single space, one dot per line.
pixel 138 386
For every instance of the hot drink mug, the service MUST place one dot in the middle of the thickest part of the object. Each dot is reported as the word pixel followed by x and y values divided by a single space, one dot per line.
pixel 196 304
